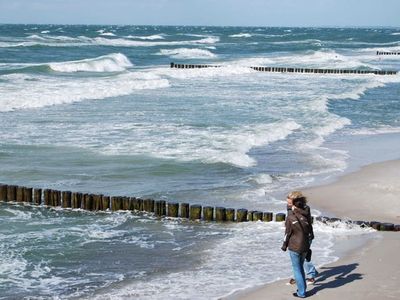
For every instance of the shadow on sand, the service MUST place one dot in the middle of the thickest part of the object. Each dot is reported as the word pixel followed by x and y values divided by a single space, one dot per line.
pixel 333 277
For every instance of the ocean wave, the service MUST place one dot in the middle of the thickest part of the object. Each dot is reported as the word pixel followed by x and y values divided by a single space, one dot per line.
pixel 186 53
pixel 115 62
pixel 40 91
pixel 65 41
pixel 148 37
pixel 240 35
pixel 209 145
pixel 374 131
pixel 107 34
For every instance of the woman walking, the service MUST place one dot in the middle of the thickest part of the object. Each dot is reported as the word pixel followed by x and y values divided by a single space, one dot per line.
pixel 298 234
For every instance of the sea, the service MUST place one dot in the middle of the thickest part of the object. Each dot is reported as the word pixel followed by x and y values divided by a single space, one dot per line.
pixel 97 109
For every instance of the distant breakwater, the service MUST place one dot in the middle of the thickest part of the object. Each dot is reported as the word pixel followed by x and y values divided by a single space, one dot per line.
pixel 97 202
pixel 291 70
pixel 387 52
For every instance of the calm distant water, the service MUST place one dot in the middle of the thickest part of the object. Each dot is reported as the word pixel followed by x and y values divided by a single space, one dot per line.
pixel 97 109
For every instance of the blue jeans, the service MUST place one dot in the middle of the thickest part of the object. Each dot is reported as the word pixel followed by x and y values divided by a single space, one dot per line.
pixel 310 270
pixel 298 272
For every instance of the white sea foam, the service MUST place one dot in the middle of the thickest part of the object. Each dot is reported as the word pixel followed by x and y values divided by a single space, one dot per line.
pixel 212 145
pixel 147 37
pixel 185 53
pixel 375 131
pixel 115 62
pixel 107 34
pixel 65 41
pixel 240 35
pixel 22 91
pixel 395 33
pixel 216 273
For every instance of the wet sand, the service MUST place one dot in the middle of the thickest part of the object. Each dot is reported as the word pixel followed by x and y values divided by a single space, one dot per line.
pixel 369 268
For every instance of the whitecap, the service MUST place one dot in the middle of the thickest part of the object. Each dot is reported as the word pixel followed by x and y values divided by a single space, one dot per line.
pixel 185 53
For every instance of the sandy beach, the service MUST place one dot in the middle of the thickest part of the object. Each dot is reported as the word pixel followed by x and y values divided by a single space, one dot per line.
pixel 367 269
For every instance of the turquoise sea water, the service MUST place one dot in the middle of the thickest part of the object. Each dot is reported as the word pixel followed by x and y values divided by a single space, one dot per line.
pixel 97 109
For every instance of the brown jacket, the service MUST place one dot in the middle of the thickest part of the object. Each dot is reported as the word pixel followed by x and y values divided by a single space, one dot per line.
pixel 298 232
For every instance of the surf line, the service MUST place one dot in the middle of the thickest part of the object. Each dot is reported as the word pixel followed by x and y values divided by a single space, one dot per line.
pixel 49 198
pixel 291 70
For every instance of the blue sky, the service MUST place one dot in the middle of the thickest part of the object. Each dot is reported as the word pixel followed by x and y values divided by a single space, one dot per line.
pixel 204 12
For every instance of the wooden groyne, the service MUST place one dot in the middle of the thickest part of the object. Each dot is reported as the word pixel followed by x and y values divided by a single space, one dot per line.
pixel 387 52
pixel 160 208
pixel 292 70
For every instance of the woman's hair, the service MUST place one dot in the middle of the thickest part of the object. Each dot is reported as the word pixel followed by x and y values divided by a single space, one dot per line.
pixel 299 200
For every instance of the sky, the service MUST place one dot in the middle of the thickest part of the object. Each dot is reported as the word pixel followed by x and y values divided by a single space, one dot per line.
pixel 370 13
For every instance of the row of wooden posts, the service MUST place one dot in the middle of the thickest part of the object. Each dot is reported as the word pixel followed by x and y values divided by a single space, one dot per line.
pixel 292 70
pixel 94 202
pixel 387 52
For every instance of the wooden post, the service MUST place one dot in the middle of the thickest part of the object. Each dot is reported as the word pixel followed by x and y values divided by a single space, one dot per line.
pixel 115 204
pixel 195 212
pixel 148 205
pixel 250 215
pixel 66 199
pixel 3 192
pixel 138 204
pixel 220 214
pixel 157 208
pixel 241 215
pixel 125 203
pixel 46 196
pixel 28 195
pixel 105 202
pixel 208 213
pixel 267 216
pixel 184 210
pixel 280 217
pixel 230 214
pixel 396 228
pixel 172 65
pixel 386 227
pixel 20 193
pixel 77 200
pixel 376 225
pixel 55 198
pixel 257 216
pixel 87 202
pixel 98 202
pixel 37 196
pixel 173 209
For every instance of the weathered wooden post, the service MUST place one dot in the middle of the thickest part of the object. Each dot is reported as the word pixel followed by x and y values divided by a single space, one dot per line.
pixel 115 203
pixel 376 225
pixel 230 214
pixel 172 65
pixel 138 204
pixel 148 205
pixel 257 216
pixel 173 209
pixel 241 215
pixel 28 194
pixel 195 212
pixel 220 214
pixel 280 217
pixel 77 200
pixel 396 228
pixel 3 192
pixel 267 216
pixel 125 203
pixel 46 196
pixel 208 213
pixel 37 196
pixel 386 227
pixel 184 210
pixel 87 202
pixel 20 193
pixel 66 199
pixel 250 215
pixel 105 202
pixel 55 198
pixel 98 202
pixel 157 208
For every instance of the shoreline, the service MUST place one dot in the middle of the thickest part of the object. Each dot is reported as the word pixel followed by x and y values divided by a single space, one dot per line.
pixel 367 268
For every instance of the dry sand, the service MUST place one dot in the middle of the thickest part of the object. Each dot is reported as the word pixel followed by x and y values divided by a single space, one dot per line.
pixel 372 269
